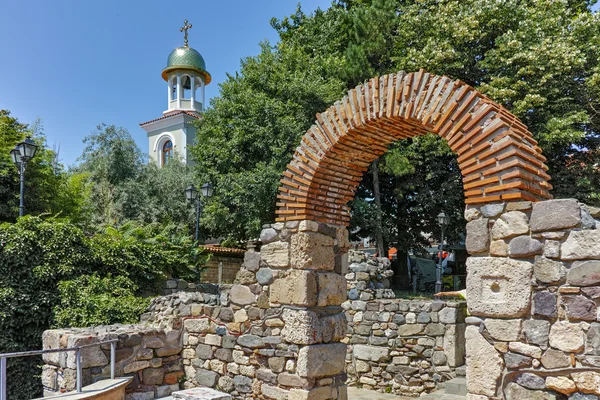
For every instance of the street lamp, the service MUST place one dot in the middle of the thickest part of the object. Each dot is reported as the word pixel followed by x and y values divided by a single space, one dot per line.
pixel 191 193
pixel 21 155
pixel 443 220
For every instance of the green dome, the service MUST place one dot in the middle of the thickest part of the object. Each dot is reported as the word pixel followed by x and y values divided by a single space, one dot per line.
pixel 186 58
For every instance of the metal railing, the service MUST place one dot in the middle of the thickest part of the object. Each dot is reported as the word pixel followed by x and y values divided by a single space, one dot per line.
pixel 77 350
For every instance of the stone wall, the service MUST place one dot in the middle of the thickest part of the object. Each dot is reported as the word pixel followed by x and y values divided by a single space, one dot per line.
pixel 368 277
pixel 533 289
pixel 405 347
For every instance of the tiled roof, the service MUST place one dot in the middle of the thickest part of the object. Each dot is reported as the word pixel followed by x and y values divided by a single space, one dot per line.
pixel 218 250
pixel 190 113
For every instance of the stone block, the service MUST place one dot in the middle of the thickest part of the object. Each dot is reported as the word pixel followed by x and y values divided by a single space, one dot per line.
pixel 498 287
pixel 206 378
pixel 511 224
pixel 553 359
pixel 454 344
pixel 552 249
pixel 301 327
pixel 484 364
pixel 499 248
pixel 321 360
pixel 506 330
pixel 275 255
pixel 294 287
pixel 561 384
pixel 274 392
pixel 264 276
pixel 90 356
pixel 251 260
pixel 241 295
pixel 536 332
pixel 153 376
pixel 294 380
pixel 492 210
pixel 371 353
pixel 514 391
pixel 478 236
pixel 581 245
pixel 471 214
pixel 567 336
pixel 531 381
pixel 525 349
pixel 202 325
pixel 544 304
pixel 580 308
pixel 548 271
pixel 587 381
pixel 553 215
pixel 200 394
pixel 519 206
pixel 312 250
pixel 592 344
pixel 268 235
pixel 584 273
pixel 331 289
pixel 251 341
pixel 516 361
pixel 524 246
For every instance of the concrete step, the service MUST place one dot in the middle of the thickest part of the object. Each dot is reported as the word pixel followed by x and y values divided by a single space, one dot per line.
pixel 456 386
pixel 461 371
pixel 442 395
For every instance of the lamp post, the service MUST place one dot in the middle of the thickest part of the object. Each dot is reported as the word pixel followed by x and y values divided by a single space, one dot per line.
pixel 191 193
pixel 443 220
pixel 21 155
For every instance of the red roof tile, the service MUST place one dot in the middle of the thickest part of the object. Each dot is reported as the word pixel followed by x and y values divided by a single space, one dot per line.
pixel 190 113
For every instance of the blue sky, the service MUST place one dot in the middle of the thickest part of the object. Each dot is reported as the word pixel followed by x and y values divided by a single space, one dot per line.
pixel 76 64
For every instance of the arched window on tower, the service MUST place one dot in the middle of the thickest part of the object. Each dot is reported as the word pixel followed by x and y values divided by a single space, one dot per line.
pixel 167 152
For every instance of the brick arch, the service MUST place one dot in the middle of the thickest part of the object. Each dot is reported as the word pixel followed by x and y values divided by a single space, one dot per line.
pixel 497 155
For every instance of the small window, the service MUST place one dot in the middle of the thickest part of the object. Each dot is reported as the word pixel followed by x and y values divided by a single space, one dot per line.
pixel 167 152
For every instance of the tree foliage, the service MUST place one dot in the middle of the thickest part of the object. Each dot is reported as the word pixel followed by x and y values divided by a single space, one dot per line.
pixel 538 58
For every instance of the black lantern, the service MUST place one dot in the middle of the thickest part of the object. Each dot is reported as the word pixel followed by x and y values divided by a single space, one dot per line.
pixel 191 193
pixel 207 190
pixel 21 155
pixel 443 220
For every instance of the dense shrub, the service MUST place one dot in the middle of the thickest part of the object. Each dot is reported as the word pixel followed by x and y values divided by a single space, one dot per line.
pixel 51 274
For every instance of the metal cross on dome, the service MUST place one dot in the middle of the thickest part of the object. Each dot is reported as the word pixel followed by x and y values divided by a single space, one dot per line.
pixel 185 28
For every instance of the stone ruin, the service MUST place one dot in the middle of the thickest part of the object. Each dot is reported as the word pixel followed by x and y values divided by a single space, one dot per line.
pixel 533 289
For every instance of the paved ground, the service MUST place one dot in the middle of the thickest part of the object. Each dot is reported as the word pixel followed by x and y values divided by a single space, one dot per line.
pixel 362 394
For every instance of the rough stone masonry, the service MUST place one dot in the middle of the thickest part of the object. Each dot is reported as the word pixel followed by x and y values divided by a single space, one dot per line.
pixel 533 289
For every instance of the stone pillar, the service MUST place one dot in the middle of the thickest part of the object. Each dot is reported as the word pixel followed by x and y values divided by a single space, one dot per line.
pixel 533 289
pixel 306 261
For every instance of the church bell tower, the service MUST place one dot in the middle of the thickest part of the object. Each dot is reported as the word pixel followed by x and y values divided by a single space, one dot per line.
pixel 186 78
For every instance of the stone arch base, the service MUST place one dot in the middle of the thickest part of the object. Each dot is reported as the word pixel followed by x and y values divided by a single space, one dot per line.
pixel 533 290
pixel 300 272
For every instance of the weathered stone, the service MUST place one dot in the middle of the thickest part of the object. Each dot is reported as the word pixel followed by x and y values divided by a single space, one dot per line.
pixel 321 360
pixel 515 392
pixel 518 206
pixel 454 344
pixel 548 271
pixel 293 380
pixel 553 215
pixel 472 214
pixel 242 384
pixel 197 325
pixel 580 308
pixel 484 364
pixel 275 255
pixel 295 287
pixel 92 356
pixel 435 330
pixel 410 329
pixel 245 277
pixel 478 236
pixel 525 349
pixel 450 315
pixel 537 331
pixel 587 381
pixel 492 210
pixel 513 223
pixel 332 289
pixel 268 235
pixel 499 248
pixel 264 276
pixel 506 330
pixel 592 344
pixel 251 260
pixel 544 304
pixel 153 376
pixel 584 273
pixel 581 245
pixel 561 384
pixel 371 353
pixel 251 341
pixel 273 392
pixel 581 396
pixel 206 378
pixel 301 327
pixel 551 249
pixel 498 287
pixel 524 246
pixel 241 295
pixel 531 381
pixel 552 359
pixel 592 292
pixel 312 250
pixel 514 360
pixel 567 336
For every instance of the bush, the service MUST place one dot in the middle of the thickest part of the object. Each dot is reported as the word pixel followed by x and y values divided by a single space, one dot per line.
pixel 52 274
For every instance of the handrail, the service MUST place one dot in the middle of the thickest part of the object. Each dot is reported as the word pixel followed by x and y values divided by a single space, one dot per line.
pixel 76 349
